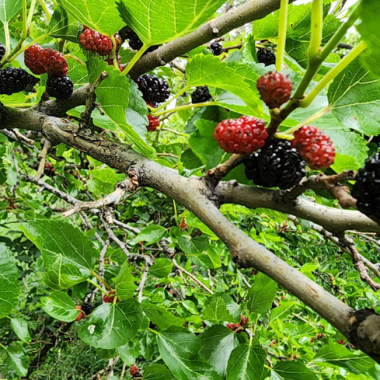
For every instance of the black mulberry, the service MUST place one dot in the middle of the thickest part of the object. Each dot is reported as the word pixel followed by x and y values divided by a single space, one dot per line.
pixel 277 164
pixel 266 56
pixel 14 80
pixel 200 95
pixel 367 187
pixel 154 89
pixel 59 87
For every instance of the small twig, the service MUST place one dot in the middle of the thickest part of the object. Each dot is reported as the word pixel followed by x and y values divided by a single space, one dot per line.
pixel 113 237
pixel 42 157
pixel 17 184
pixel 228 48
pixel 123 371
pixel 177 66
pixel 201 284
pixel 244 279
pixel 89 226
pixel 347 245
pixel 359 263
pixel 220 171
pixel 344 46
pixel 101 258
pixel 90 100
pixel 111 199
pixel 148 263
pixel 22 137
pixel 167 155
pixel 126 227
pixel 173 131
pixel 324 182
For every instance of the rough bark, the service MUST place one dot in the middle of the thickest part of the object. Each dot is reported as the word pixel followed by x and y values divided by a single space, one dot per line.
pixel 235 18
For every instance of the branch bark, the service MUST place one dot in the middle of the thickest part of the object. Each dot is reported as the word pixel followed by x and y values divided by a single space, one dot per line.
pixel 332 219
pixel 235 18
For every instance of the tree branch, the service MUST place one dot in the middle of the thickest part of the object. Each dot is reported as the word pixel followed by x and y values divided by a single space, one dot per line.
pixel 235 18
pixel 332 219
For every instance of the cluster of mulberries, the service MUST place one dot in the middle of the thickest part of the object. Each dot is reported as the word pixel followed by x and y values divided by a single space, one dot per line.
pixel 273 162
pixel 53 63
pixel 13 79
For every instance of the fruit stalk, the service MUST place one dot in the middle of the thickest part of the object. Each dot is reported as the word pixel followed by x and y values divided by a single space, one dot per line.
pixel 316 29
pixel 24 20
pixel 181 108
pixel 46 10
pixel 31 11
pixel 333 73
pixel 282 34
pixel 177 95
pixel 96 285
pixel 137 56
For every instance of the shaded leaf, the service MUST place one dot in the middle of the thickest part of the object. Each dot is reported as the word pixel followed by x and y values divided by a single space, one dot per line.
pixel 161 317
pixel 261 295
pixel 181 17
pixel 125 286
pixel 217 344
pixel 9 283
pixel 101 15
pixel 247 363
pixel 20 327
pixel 179 350
pixel 112 325
pixel 60 306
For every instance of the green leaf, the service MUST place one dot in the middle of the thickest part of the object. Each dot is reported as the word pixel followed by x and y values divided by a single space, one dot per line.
pixel 216 311
pixel 261 295
pixel 103 181
pixel 355 99
pixel 125 286
pixel 157 372
pixel 246 363
pixel 298 29
pixel 203 144
pixel 161 317
pixel 60 306
pixel 239 79
pixel 9 282
pixel 63 25
pixel 77 73
pixel 218 342
pixel 281 312
pixel 9 9
pixel 112 325
pixel 181 17
pixel 292 371
pixel 336 354
pixel 58 239
pixel 179 349
pixel 60 276
pixel 113 96
pixel 137 110
pixel 17 358
pixel 20 327
pixel 369 11
pixel 348 145
pixel 151 234
pixel 129 352
pixel 162 268
pixel 101 15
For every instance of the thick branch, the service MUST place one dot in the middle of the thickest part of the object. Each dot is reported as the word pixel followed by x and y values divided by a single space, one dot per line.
pixel 334 220
pixel 235 18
